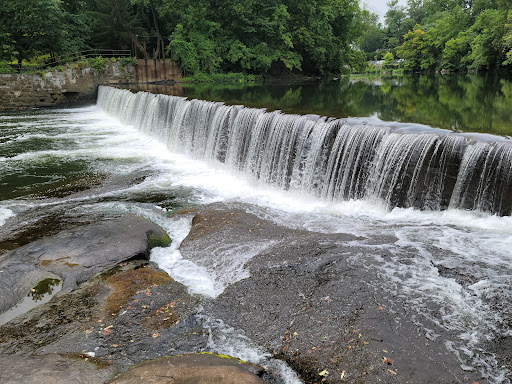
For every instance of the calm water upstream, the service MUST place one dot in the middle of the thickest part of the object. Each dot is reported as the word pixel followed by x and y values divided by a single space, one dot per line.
pixel 471 103
pixel 128 156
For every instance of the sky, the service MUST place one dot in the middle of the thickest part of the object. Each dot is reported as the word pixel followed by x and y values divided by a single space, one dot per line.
pixel 379 6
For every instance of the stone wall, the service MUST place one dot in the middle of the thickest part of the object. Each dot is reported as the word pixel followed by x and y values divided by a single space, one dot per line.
pixel 69 86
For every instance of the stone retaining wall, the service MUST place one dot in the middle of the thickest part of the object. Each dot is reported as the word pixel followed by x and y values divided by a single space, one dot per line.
pixel 72 85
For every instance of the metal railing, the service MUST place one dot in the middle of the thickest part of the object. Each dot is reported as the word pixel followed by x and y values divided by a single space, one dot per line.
pixel 77 56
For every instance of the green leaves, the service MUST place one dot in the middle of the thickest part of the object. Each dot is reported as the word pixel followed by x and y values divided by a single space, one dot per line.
pixel 264 35
pixel 30 27
pixel 254 36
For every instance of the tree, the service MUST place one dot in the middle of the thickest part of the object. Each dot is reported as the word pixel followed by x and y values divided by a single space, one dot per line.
pixel 115 23
pixel 373 36
pixel 456 50
pixel 30 27
pixel 389 59
pixel 76 27
pixel 373 39
pixel 264 35
pixel 507 39
pixel 413 49
pixel 416 11
pixel 323 32
pixel 394 18
pixel 487 46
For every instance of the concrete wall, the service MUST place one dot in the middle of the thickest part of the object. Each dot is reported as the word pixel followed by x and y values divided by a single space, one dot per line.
pixel 72 85
pixel 148 71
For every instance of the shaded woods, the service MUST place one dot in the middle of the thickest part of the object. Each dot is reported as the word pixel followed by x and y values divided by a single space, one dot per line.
pixel 315 37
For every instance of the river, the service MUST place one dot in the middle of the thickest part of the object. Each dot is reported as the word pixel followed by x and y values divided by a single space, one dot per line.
pixel 118 157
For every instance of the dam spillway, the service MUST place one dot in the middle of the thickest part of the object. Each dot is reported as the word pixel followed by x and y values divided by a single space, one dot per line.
pixel 332 159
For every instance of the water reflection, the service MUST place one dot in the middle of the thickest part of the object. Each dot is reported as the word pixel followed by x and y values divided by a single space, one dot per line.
pixel 43 288
pixel 459 102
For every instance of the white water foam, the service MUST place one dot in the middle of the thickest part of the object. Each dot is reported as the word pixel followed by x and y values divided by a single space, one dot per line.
pixel 473 242
pixel 225 340
pixel 5 214
pixel 197 279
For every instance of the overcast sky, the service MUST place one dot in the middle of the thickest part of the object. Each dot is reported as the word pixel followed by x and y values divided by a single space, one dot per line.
pixel 379 6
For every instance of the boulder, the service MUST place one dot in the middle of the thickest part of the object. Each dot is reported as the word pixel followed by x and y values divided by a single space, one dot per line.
pixel 197 369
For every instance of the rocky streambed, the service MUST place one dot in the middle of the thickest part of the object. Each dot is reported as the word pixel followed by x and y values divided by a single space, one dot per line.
pixel 312 300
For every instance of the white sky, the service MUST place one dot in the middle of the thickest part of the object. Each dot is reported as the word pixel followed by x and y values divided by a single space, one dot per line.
pixel 379 6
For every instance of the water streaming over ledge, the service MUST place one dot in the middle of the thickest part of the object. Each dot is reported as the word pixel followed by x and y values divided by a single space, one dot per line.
pixel 329 158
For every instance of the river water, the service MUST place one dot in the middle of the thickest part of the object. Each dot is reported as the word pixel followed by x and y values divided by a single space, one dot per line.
pixel 87 163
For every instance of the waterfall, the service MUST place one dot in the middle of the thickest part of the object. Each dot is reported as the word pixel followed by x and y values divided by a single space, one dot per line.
pixel 331 159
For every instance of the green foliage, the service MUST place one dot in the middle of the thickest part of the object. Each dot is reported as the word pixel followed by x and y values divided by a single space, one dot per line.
pixel 221 78
pixel 6 68
pixel 114 23
pixel 125 61
pixel 250 36
pixel 263 36
pixel 413 50
pixel 396 28
pixel 507 39
pixel 373 39
pixel 487 47
pixel 29 28
pixel 98 63
pixel 372 68
pixel 389 60
pixel 448 34
pixel 456 50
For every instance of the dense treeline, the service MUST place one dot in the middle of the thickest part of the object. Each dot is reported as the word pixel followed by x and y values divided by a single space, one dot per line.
pixel 254 36
pixel 444 34
pixel 261 36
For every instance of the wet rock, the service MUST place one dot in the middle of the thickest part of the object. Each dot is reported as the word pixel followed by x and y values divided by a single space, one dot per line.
pixel 54 369
pixel 197 369
pixel 75 255
pixel 317 301
pixel 125 316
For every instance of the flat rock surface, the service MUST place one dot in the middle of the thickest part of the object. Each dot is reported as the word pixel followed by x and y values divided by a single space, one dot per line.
pixel 124 316
pixel 318 302
pixel 74 255
pixel 197 369
pixel 53 369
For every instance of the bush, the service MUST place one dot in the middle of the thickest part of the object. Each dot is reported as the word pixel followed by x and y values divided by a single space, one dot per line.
pixel 6 68
pixel 226 78
pixel 124 61
pixel 98 63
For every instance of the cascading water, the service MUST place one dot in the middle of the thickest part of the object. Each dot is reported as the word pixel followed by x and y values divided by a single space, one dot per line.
pixel 447 271
pixel 331 159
